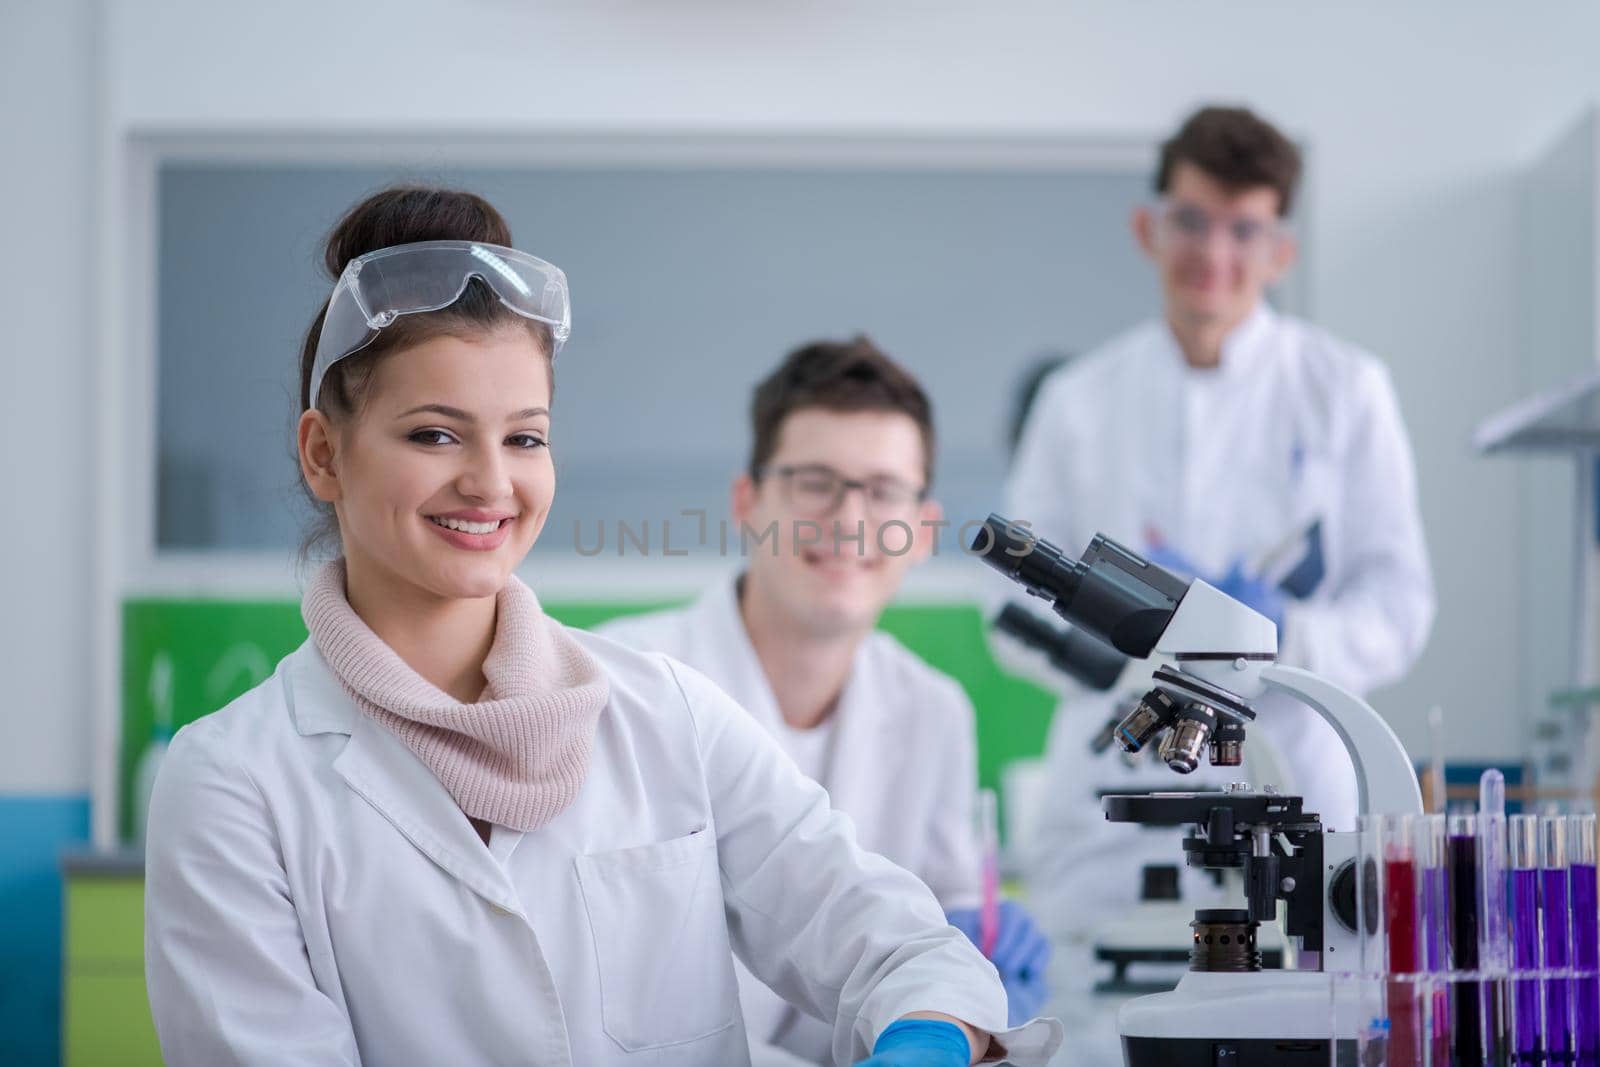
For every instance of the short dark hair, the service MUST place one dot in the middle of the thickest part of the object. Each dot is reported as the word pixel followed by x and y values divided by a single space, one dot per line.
pixel 844 376
pixel 1236 147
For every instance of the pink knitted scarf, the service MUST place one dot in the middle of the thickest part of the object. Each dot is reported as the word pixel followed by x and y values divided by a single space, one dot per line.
pixel 517 757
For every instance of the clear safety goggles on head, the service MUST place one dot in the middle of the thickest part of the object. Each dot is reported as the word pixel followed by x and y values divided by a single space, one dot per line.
pixel 379 287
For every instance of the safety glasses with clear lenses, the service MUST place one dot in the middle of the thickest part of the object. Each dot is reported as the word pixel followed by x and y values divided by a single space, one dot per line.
pixel 1190 225
pixel 377 288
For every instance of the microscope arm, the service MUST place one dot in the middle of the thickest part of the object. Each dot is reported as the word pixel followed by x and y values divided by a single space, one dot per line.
pixel 1386 782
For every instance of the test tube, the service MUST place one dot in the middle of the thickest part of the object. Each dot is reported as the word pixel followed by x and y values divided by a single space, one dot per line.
pixel 1494 946
pixel 1467 1016
pixel 1523 894
pixel 1361 994
pixel 1436 782
pixel 1585 940
pixel 989 841
pixel 1433 881
pixel 1555 918
pixel 1401 900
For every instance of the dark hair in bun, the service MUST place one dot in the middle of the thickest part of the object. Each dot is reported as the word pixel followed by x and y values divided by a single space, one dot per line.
pixel 400 216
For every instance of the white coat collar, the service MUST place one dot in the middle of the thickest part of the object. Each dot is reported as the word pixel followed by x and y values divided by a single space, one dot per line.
pixel 859 720
pixel 721 639
pixel 318 704
pixel 379 767
pixel 1242 349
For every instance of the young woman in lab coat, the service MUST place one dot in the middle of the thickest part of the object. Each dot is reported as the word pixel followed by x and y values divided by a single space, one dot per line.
pixel 841 433
pixel 450 830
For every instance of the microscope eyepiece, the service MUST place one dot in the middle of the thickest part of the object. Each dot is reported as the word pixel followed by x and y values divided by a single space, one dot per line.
pixel 1112 594
pixel 1038 566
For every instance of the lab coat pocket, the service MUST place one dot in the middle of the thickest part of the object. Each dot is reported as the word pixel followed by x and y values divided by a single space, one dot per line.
pixel 661 941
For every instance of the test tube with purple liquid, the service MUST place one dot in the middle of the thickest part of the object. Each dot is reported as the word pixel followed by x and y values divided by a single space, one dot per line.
pixel 1466 1013
pixel 1555 917
pixel 1523 899
pixel 1585 940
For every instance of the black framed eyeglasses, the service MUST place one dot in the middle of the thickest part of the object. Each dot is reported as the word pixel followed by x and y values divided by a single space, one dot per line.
pixel 816 490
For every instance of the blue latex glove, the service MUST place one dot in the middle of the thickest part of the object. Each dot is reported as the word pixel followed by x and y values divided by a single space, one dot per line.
pixel 920 1043
pixel 1253 593
pixel 1021 955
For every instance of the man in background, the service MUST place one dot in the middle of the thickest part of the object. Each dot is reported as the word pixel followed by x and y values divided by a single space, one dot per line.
pixel 1236 444
pixel 840 468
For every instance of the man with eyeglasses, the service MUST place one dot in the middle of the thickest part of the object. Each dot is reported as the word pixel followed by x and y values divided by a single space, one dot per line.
pixel 834 507
pixel 1240 445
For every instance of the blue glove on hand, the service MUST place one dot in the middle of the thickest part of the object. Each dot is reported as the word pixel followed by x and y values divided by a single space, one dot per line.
pixel 920 1043
pixel 1253 593
pixel 1021 955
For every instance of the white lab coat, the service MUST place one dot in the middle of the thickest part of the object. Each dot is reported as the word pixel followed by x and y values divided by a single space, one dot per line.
pixel 1293 425
pixel 314 896
pixel 903 766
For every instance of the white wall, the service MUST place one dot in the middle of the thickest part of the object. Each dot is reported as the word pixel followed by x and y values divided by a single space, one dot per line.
pixel 1417 117
pixel 1556 329
pixel 47 86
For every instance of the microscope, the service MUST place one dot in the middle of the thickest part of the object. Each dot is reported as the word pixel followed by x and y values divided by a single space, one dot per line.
pixel 1226 1009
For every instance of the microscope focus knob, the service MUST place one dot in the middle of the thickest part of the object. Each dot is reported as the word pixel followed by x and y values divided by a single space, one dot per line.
pixel 1342 895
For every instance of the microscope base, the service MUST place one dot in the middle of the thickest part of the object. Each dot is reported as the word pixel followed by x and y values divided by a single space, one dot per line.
pixel 1225 1052
pixel 1265 1018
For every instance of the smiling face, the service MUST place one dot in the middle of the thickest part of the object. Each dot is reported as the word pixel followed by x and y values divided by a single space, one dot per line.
pixel 443 479
pixel 1217 248
pixel 836 585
